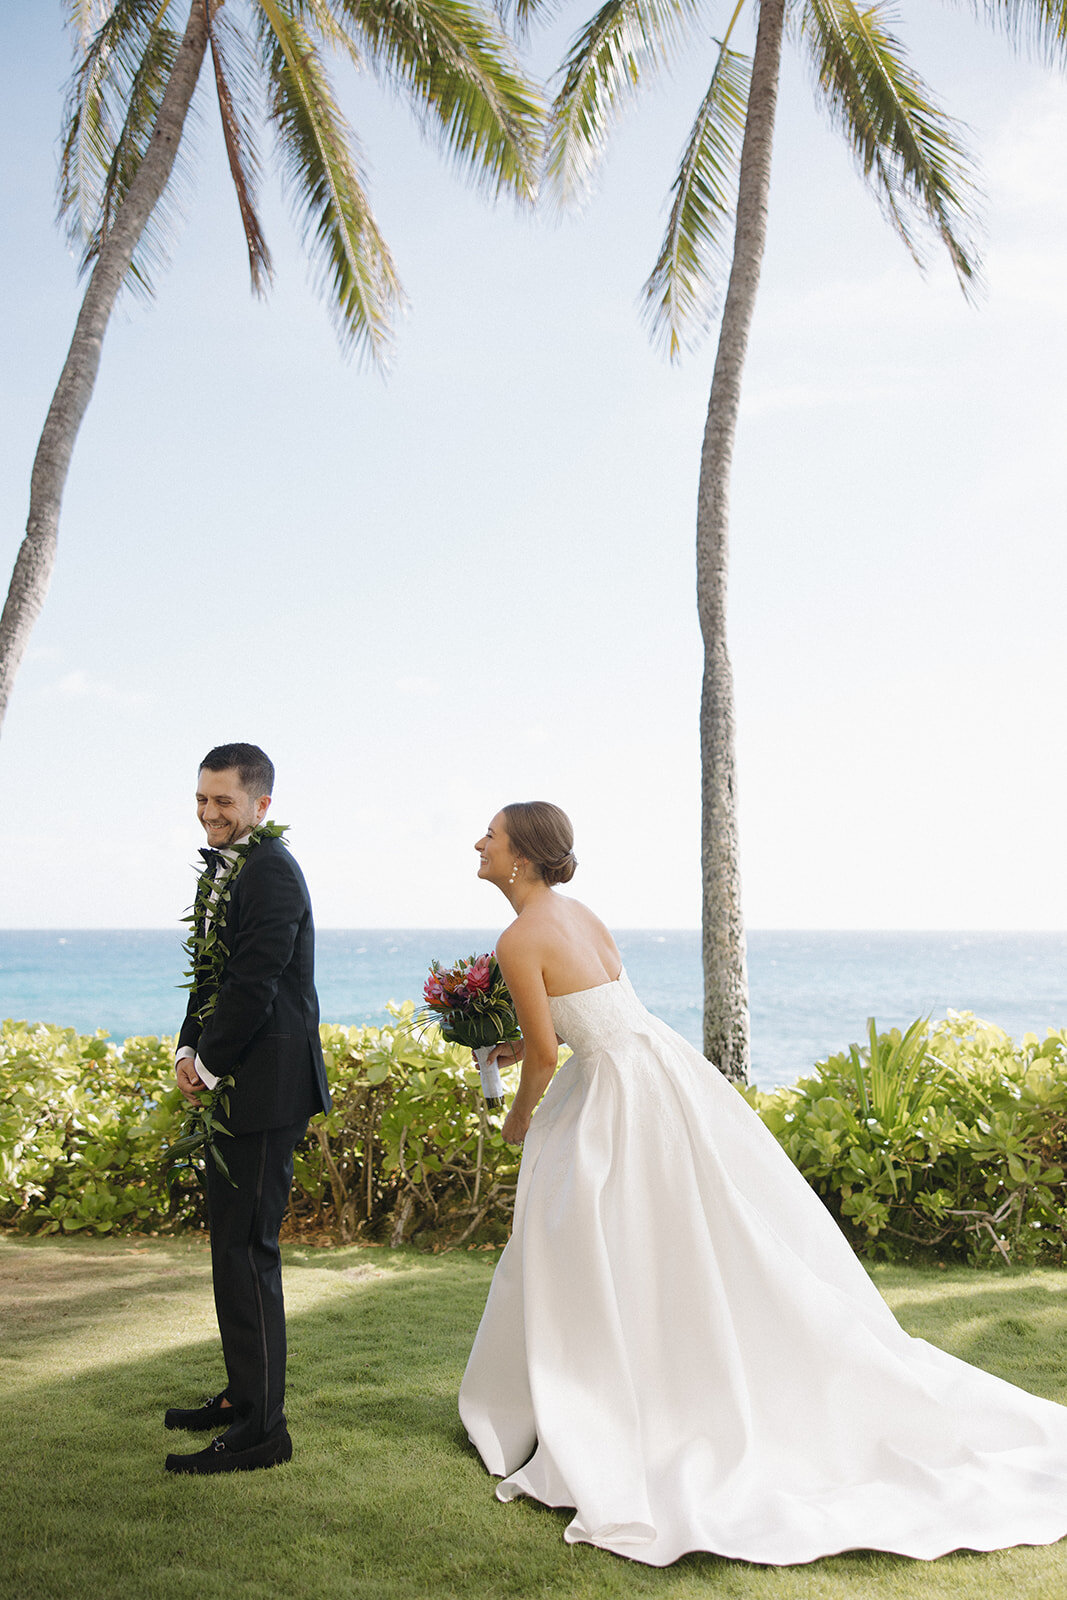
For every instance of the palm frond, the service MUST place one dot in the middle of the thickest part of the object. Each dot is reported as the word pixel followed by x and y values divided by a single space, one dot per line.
pixel 908 149
pixel 145 97
pixel 459 70
pixel 106 57
pixel 112 106
pixel 356 271
pixel 318 16
pixel 517 15
pixel 682 287
pixel 84 18
pixel 625 41
pixel 233 66
pixel 1039 26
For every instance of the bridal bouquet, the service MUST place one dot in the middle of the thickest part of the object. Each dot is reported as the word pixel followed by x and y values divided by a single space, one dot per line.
pixel 471 1005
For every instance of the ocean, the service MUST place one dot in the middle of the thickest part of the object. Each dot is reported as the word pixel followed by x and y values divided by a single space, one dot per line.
pixel 811 993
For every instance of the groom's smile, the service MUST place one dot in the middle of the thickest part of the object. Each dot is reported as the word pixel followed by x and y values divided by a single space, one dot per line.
pixel 226 812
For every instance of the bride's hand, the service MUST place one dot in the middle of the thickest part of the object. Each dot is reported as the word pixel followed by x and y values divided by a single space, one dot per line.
pixel 515 1127
pixel 507 1054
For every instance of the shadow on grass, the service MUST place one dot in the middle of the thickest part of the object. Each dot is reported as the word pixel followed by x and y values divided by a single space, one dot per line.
pixel 1012 1323
pixel 384 1499
pixel 48 1290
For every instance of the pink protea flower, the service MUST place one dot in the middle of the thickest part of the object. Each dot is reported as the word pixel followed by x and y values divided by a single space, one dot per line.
pixel 436 991
pixel 477 978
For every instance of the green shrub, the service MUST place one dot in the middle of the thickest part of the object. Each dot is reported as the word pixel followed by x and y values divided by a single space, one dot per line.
pixel 946 1138
pixel 407 1150
pixel 82 1128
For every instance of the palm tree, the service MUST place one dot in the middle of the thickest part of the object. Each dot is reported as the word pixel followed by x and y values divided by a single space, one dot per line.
pixel 124 122
pixel 911 155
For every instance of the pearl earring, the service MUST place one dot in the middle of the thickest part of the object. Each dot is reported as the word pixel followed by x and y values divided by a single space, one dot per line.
pixel 514 874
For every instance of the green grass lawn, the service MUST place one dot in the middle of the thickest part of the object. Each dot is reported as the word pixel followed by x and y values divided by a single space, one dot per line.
pixel 384 1498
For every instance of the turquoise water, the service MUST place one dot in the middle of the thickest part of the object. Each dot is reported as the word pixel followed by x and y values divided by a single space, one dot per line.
pixel 810 992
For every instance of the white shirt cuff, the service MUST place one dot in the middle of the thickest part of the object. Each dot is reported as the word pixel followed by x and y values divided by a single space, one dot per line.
pixel 208 1079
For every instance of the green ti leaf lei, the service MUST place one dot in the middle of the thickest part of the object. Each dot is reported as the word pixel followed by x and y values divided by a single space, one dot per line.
pixel 198 1135
pixel 206 952
pixel 204 947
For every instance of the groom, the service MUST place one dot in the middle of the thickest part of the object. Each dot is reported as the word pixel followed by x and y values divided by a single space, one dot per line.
pixel 253 1014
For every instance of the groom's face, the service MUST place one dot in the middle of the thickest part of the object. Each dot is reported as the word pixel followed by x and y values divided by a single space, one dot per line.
pixel 224 809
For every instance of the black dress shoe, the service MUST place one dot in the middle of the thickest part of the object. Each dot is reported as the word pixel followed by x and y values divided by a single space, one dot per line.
pixel 218 1457
pixel 197 1419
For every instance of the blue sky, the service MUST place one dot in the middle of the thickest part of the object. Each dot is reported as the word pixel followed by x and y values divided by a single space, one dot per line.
pixel 473 581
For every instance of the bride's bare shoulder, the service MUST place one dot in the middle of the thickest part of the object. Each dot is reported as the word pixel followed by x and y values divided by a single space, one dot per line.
pixel 516 938
pixel 580 916
pixel 574 929
pixel 539 927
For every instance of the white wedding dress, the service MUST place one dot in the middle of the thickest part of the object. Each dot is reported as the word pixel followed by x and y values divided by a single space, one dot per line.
pixel 680 1345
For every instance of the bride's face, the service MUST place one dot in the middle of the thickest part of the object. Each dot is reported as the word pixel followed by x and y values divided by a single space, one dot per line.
pixel 495 855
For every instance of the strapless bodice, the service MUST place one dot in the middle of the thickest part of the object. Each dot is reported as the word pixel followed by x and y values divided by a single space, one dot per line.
pixel 589 1018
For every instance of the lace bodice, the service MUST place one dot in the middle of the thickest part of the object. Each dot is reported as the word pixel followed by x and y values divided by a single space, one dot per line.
pixel 595 1017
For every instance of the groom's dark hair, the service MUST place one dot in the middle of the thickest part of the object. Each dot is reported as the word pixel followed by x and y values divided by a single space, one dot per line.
pixel 255 769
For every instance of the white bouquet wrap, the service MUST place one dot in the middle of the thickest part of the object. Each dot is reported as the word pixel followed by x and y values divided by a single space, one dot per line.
pixel 492 1083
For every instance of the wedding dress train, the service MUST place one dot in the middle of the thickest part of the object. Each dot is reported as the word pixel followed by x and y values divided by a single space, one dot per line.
pixel 680 1345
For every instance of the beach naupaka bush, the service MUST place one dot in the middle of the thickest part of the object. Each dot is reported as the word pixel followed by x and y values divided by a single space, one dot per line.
pixel 945 1139
pixel 407 1150
pixel 82 1127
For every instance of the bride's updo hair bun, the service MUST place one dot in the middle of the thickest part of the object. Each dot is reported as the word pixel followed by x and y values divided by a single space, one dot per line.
pixel 543 834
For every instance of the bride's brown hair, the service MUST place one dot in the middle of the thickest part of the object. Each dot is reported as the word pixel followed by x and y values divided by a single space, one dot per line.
pixel 543 834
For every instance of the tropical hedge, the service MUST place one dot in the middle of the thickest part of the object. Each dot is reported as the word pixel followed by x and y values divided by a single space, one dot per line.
pixel 406 1152
pixel 947 1140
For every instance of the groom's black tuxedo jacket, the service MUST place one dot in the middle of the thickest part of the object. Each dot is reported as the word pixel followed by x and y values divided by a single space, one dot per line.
pixel 264 1028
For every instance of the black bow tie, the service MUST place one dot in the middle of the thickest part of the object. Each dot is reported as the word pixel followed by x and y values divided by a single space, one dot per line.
pixel 213 860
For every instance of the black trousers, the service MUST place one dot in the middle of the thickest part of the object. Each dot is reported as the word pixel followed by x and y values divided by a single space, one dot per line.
pixel 246 1272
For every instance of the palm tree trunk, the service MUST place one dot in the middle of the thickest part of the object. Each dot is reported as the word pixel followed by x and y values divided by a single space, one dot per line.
pixel 37 554
pixel 726 1039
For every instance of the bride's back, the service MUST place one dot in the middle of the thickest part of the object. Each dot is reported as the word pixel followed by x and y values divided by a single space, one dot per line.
pixel 575 949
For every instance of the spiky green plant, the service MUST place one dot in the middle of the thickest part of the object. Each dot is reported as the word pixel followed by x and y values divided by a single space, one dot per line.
pixel 945 1137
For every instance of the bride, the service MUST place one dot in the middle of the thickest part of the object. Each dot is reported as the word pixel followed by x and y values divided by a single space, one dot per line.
pixel 678 1343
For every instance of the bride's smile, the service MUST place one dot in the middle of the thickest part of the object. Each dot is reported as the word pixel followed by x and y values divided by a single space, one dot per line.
pixel 495 855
